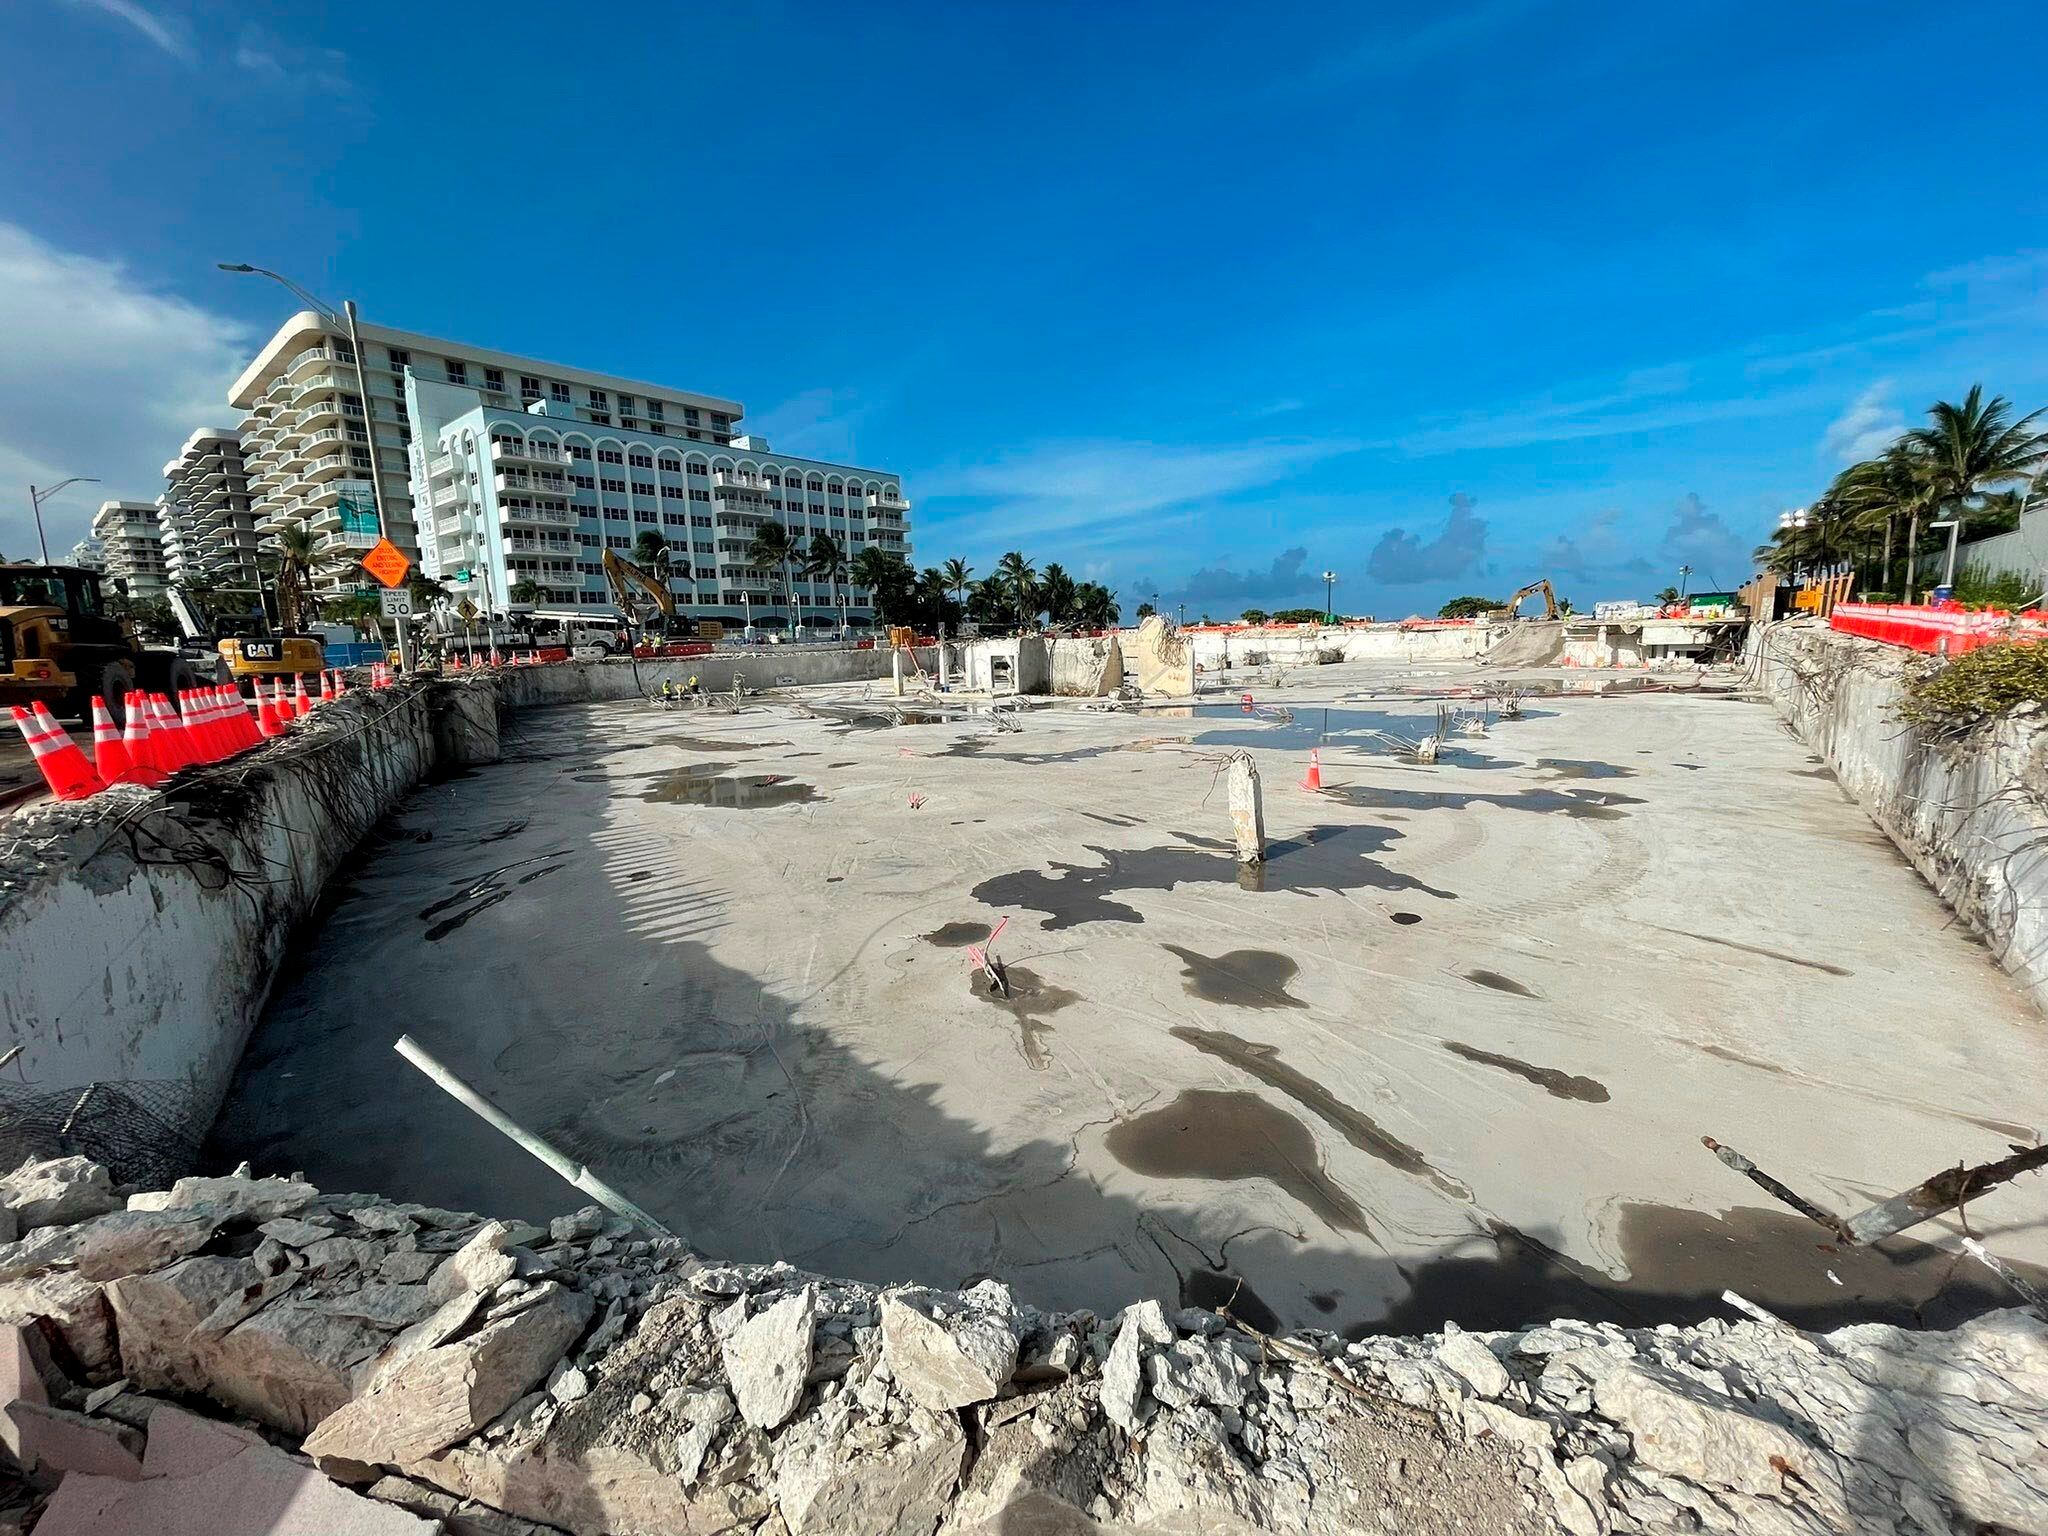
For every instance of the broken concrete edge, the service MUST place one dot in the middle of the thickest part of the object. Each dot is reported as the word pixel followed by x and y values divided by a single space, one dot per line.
pixel 592 1379
pixel 1970 812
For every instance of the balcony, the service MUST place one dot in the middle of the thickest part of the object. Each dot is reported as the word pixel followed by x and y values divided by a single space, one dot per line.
pixel 322 353
pixel 308 387
pixel 441 465
pixel 448 495
pixel 540 483
pixel 723 480
pixel 546 516
pixel 529 544
pixel 341 541
pixel 881 502
pixel 526 453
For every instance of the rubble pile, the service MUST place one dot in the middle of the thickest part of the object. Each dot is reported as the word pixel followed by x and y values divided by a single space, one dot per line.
pixel 396 1368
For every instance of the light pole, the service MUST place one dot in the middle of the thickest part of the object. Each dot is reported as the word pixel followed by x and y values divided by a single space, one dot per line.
pixel 355 345
pixel 1684 582
pixel 1954 525
pixel 36 499
pixel 1329 597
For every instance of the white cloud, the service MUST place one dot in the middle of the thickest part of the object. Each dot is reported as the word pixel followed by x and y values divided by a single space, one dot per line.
pixel 1402 558
pixel 1869 426
pixel 145 21
pixel 100 376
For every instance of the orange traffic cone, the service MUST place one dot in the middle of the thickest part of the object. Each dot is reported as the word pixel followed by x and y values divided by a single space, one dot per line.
pixel 192 710
pixel 340 683
pixel 176 751
pixel 109 757
pixel 286 714
pixel 246 708
pixel 301 706
pixel 142 768
pixel 326 687
pixel 267 723
pixel 63 766
pixel 1314 778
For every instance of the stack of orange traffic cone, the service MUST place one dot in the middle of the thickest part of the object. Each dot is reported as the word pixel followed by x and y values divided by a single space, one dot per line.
pixel 1314 778
pixel 198 730
pixel 180 750
pixel 142 768
pixel 63 766
pixel 246 708
pixel 109 757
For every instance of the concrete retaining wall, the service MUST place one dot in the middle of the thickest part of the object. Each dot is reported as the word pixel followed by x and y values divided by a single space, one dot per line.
pixel 1295 647
pixel 140 930
pixel 1971 811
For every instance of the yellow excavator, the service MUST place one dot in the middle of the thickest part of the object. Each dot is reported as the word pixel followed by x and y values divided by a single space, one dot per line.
pixel 644 596
pixel 1550 608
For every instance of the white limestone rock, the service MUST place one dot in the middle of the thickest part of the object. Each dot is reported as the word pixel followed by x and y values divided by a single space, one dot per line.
pixel 1474 1364
pixel 1194 1371
pixel 942 1366
pixel 767 1358
pixel 231 1198
pixel 1123 1380
pixel 57 1192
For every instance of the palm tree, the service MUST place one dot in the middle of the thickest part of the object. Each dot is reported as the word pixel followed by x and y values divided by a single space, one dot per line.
pixel 299 554
pixel 826 559
pixel 1057 595
pixel 650 548
pixel 524 590
pixel 1096 606
pixel 1019 579
pixel 956 573
pixel 771 550
pixel 1967 449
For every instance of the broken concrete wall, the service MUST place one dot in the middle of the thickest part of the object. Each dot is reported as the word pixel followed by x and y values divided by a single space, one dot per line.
pixel 1970 810
pixel 1604 645
pixel 1086 667
pixel 140 929
pixel 1160 659
pixel 596 1380
pixel 1301 645
pixel 1019 664
pixel 590 682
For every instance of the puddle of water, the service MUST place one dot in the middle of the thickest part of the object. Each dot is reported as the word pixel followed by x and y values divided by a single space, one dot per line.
pixel 1362 1131
pixel 1559 1085
pixel 1328 859
pixel 528 879
pixel 700 784
pixel 510 829
pixel 1406 919
pixel 1579 804
pixel 1030 998
pixel 714 744
pixel 1499 983
pixel 1581 768
pixel 1755 949
pixel 1313 726
pixel 1241 978
pixel 448 925
pixel 957 935
pixel 1205 1134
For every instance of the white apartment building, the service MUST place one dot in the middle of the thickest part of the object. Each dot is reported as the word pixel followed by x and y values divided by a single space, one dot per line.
pixel 90 553
pixel 314 432
pixel 135 557
pixel 207 526
pixel 537 495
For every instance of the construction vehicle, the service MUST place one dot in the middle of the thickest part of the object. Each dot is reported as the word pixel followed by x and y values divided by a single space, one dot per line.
pixel 60 646
pixel 645 599
pixel 247 647
pixel 1550 608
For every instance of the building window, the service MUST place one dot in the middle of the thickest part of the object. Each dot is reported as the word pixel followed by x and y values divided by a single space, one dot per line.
pixel 674 491
pixel 558 391
pixel 654 409
pixel 697 495
pixel 626 404
pixel 599 401
pixel 609 484
pixel 494 378
pixel 674 520
pixel 700 522
pixel 690 416
pixel 699 468
pixel 610 456
pixel 578 451
pixel 618 541
pixel 720 423
pixel 645 516
pixel 400 360
pixel 529 387
pixel 585 482
pixel 457 373
pixel 641 460
pixel 643 487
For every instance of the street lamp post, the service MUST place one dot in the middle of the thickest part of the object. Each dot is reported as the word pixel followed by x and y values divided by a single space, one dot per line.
pixel 347 317
pixel 1954 525
pixel 1684 582
pixel 36 499
pixel 1329 597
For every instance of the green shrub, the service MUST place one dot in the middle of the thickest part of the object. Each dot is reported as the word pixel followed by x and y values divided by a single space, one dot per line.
pixel 1978 588
pixel 1979 686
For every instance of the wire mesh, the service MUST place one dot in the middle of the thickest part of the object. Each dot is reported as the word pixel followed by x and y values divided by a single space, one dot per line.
pixel 146 1133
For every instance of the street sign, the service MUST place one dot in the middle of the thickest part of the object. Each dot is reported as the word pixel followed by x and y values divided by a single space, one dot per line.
pixel 397 603
pixel 387 563
pixel 467 610
pixel 463 576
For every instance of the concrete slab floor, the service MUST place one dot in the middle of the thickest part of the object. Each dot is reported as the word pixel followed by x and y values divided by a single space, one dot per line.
pixel 1449 1056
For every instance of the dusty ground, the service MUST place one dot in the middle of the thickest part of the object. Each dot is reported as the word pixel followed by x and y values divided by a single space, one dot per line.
pixel 1450 1058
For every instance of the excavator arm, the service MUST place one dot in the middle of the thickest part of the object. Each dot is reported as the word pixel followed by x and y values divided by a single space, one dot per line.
pixel 625 577
pixel 1550 610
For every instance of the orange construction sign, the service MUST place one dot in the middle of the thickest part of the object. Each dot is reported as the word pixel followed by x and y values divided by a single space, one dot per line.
pixel 387 562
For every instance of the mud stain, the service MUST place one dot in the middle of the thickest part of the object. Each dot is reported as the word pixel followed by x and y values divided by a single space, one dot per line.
pixel 1406 919
pixel 1813 773
pixel 714 744
pixel 700 784
pixel 1578 804
pixel 1330 859
pixel 957 935
pixel 640 874
pixel 1030 998
pixel 841 765
pixel 1263 1062
pixel 2022 1134
pixel 1581 768
pixel 1559 1085
pixel 1111 821
pixel 1690 767
pixel 1679 1262
pixel 1324 1302
pixel 1755 949
pixel 510 829
pixel 1205 1134
pixel 1725 1054
pixel 1499 983
pixel 446 926
pixel 528 879
pixel 1240 978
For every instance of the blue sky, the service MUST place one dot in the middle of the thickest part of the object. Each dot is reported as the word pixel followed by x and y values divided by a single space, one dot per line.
pixel 1198 300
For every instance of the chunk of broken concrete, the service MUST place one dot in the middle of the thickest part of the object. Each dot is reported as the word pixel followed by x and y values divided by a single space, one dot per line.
pixel 206 1479
pixel 55 1442
pixel 825 1483
pixel 767 1358
pixel 1123 1379
pixel 1480 1368
pixel 230 1198
pixel 1195 1371
pixel 481 1264
pixel 107 1247
pixel 942 1366
pixel 58 1191
pixel 71 1312
pixel 445 1394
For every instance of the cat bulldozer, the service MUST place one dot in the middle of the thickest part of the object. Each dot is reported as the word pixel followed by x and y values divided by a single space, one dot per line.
pixel 60 645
